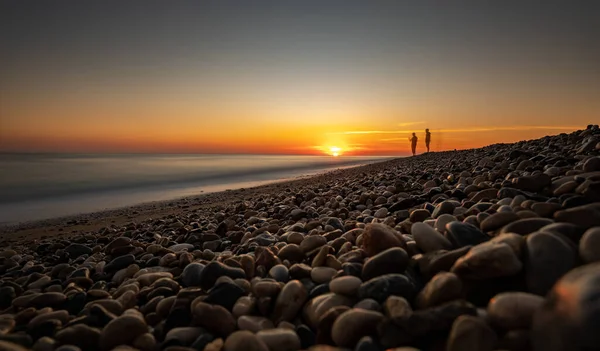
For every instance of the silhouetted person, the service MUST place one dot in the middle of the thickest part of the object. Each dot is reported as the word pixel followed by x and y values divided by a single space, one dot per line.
pixel 427 138
pixel 413 143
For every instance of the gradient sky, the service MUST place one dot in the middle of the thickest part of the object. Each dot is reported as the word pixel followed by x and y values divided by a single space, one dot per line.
pixel 292 76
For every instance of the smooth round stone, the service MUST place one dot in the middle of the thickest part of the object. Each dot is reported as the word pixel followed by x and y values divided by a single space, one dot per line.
pixel 322 275
pixel 444 208
pixel 280 273
pixel 381 213
pixel 526 225
pixel 380 288
pixel 379 237
pixel 213 270
pixel 224 294
pixel 513 310
pixel 289 301
pixel 245 305
pixel 568 319
pixel 585 216
pixel 243 340
pixel 442 221
pixel 314 309
pixel 352 325
pixel 393 260
pixel 497 221
pixel 464 234
pixel 254 323
pixel 266 288
pixel 515 241
pixel 181 247
pixel 346 285
pixel 368 304
pixel 471 333
pixel 548 258
pixel 112 335
pixel 76 250
pixel 79 335
pixel 397 307
pixel 191 274
pixel 291 252
pixel 429 239
pixel 182 336
pixel 589 246
pixel 214 318
pixel 419 215
pixel 312 242
pixel 366 343
pixel 279 339
pixel 443 287
pixel 488 260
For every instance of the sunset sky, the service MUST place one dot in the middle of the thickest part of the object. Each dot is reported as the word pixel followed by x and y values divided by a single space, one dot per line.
pixel 292 77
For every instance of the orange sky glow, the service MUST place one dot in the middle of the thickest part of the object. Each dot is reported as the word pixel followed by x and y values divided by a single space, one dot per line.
pixel 305 78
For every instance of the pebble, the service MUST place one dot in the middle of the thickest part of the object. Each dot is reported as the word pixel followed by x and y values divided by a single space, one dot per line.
pixel 548 258
pixel 347 285
pixel 589 246
pixel 488 260
pixel 513 310
pixel 471 333
pixel 429 239
pixel 279 339
pixel 567 320
pixel 353 324
pixel 393 260
pixel 379 237
pixel 443 287
pixel 243 340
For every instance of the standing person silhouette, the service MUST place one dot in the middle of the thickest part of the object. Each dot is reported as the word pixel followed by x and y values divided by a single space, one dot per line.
pixel 427 138
pixel 413 144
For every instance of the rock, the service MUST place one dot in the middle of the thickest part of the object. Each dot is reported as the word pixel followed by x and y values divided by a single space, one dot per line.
pixel 397 307
pixel 213 270
pixel 315 308
pixel 9 346
pixel 379 237
pixel 112 335
pixel 423 323
pixel 322 275
pixel 443 287
pixel 471 333
pixel 119 263
pixel 393 260
pixel 585 216
pixel 192 274
pixel 589 246
pixel 419 215
pixel 592 164
pixel 353 324
pixel 548 258
pixel 568 318
pixel 224 294
pixel 214 318
pixel 464 234
pixel 243 340
pixel 292 253
pixel 380 288
pixel 254 323
pixel 429 239
pixel 290 301
pixel 513 310
pixel 280 273
pixel 76 250
pixel 182 336
pixel 347 285
pixel 279 339
pixel 488 260
pixel 526 225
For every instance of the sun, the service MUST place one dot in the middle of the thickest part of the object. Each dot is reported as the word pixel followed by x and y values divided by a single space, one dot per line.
pixel 335 151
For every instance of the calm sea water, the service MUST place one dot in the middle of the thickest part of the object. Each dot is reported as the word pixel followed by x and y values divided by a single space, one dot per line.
pixel 40 186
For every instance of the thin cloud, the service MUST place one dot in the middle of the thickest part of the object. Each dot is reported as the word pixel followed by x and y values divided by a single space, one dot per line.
pixel 463 130
pixel 406 124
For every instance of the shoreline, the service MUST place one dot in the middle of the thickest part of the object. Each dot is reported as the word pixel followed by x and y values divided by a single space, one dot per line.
pixel 90 221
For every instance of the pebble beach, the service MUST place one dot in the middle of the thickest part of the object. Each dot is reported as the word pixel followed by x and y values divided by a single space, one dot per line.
pixel 496 248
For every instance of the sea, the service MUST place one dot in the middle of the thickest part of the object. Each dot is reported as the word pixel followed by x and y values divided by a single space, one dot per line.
pixel 42 186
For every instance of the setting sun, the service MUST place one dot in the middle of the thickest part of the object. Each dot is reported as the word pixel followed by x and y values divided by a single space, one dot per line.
pixel 335 151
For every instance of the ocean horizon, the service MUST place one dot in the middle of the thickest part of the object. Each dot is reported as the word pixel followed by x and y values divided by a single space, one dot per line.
pixel 36 186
